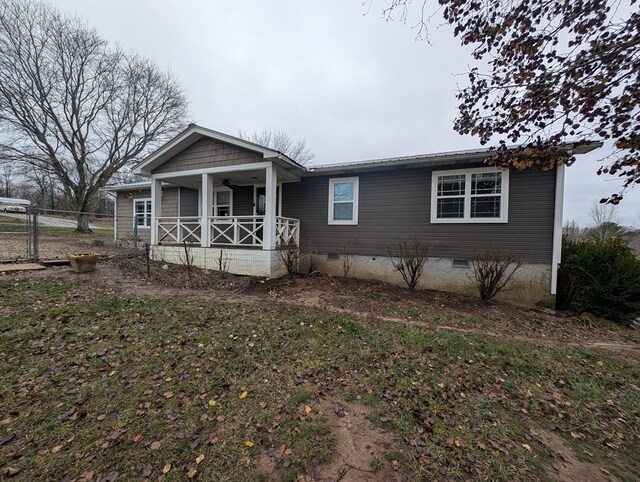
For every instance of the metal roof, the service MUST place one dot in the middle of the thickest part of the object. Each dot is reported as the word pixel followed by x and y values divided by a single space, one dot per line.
pixel 427 159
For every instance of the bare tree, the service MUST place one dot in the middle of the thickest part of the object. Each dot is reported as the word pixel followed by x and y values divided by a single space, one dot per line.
pixel 74 107
pixel 606 223
pixel 6 179
pixel 280 141
pixel 47 188
pixel 571 230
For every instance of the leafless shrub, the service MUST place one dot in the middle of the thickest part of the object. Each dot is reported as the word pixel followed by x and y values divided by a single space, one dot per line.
pixel 345 256
pixel 187 260
pixel 290 257
pixel 491 271
pixel 223 262
pixel 409 258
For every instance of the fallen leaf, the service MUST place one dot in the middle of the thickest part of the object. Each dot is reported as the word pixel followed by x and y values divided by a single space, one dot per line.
pixel 192 473
pixel 199 458
pixel 148 469
pixel 243 395
pixel 10 471
pixel 137 438
pixel 307 409
pixel 527 447
pixel 212 403
pixel 166 468
pixel 167 394
pixel 155 445
pixel 56 449
pixel 112 476
pixel 86 476
pixel 249 443
pixel 441 385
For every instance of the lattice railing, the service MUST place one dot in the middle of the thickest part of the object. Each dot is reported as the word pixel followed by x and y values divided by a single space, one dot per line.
pixel 287 231
pixel 177 230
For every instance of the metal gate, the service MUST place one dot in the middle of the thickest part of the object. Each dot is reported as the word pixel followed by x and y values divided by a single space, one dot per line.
pixel 19 236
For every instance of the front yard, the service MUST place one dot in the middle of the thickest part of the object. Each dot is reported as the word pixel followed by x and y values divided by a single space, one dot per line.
pixel 99 384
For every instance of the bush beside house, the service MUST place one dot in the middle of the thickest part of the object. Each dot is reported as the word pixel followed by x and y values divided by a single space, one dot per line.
pixel 600 277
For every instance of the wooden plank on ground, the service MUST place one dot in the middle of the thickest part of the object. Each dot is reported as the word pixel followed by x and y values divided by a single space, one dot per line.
pixel 20 267
pixel 55 262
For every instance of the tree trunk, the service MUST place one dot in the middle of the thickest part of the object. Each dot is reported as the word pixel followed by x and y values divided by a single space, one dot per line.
pixel 83 223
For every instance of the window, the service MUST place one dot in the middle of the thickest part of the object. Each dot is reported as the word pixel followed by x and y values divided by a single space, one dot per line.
pixel 222 202
pixel 470 196
pixel 343 200
pixel 142 212
pixel 459 263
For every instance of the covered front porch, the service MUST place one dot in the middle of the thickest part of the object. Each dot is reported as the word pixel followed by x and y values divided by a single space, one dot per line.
pixel 227 207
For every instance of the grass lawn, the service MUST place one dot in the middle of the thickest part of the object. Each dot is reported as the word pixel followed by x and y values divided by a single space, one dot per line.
pixel 97 384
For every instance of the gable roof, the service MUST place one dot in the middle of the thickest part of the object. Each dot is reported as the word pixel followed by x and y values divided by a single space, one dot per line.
pixel 192 134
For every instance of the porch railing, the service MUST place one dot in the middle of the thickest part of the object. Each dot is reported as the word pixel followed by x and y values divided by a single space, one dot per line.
pixel 236 230
pixel 178 229
pixel 287 231
pixel 226 230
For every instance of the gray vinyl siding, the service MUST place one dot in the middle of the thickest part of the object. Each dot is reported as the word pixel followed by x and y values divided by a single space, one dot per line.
pixel 169 206
pixel 208 153
pixel 395 205
pixel 188 202
pixel 243 201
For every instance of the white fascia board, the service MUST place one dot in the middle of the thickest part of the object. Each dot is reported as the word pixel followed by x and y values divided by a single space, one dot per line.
pixel 556 257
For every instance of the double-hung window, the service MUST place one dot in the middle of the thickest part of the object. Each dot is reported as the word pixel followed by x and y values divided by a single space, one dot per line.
pixel 470 196
pixel 142 212
pixel 343 200
pixel 222 202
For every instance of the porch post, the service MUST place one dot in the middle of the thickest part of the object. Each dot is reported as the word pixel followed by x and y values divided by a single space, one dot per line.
pixel 271 183
pixel 156 208
pixel 207 209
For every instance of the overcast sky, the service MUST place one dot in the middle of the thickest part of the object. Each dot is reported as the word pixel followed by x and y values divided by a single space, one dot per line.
pixel 354 86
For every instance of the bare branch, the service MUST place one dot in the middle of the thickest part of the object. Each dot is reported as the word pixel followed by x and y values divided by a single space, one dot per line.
pixel 75 108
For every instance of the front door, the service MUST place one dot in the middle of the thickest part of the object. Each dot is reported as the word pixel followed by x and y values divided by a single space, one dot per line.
pixel 261 199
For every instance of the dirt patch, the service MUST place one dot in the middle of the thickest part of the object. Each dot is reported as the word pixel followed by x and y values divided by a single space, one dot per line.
pixel 567 468
pixel 361 448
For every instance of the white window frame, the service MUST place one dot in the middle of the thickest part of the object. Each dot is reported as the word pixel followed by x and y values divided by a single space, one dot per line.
pixel 147 216
pixel 356 196
pixel 504 196
pixel 215 200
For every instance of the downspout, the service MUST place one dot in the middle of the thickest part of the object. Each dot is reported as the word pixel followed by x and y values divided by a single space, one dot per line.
pixel 556 257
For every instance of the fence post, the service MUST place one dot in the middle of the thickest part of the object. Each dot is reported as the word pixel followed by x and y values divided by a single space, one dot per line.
pixel 135 233
pixel 34 235
pixel 147 255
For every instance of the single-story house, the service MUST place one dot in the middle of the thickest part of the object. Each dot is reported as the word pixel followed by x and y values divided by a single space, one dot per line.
pixel 237 203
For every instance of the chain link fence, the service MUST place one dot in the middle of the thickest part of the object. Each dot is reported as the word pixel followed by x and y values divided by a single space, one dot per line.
pixel 16 237
pixel 46 234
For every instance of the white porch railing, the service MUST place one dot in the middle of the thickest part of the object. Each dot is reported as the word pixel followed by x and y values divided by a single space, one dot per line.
pixel 226 230
pixel 236 230
pixel 178 229
pixel 287 231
